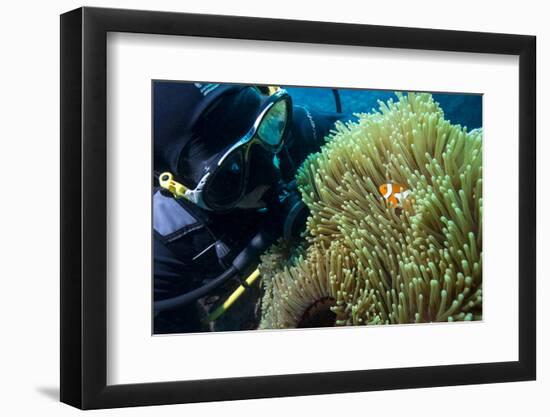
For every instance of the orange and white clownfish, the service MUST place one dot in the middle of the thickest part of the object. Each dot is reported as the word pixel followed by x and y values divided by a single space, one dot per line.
pixel 394 194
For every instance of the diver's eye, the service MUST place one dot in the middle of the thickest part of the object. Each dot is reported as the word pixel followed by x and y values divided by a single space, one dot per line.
pixel 225 187
pixel 235 168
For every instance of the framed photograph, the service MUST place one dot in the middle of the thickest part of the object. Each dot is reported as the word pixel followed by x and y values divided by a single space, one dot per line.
pixel 256 207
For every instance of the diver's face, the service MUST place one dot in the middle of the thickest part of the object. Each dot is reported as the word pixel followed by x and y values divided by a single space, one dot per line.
pixel 240 170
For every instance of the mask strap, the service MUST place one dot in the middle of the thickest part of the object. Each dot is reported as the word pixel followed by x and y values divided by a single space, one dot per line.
pixel 268 90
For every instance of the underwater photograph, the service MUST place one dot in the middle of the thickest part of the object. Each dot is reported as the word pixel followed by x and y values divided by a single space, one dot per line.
pixel 284 207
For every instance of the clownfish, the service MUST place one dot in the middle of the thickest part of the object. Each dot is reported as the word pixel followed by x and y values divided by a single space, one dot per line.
pixel 394 194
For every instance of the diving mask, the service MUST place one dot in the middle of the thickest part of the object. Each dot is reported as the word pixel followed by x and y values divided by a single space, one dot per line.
pixel 224 182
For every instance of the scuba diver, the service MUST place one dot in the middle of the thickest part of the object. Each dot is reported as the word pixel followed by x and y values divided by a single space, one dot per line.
pixel 225 158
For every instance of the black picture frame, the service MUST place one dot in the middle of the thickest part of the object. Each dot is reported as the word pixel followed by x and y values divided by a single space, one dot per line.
pixel 84 207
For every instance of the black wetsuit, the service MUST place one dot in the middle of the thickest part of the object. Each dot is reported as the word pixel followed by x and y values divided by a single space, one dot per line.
pixel 185 255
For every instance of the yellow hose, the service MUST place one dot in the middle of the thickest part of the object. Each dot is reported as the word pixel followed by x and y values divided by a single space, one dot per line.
pixel 232 298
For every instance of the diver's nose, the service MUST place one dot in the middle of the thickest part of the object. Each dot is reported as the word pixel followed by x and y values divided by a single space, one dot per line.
pixel 263 170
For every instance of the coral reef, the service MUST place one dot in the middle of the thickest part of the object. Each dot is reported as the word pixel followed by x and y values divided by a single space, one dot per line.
pixel 366 262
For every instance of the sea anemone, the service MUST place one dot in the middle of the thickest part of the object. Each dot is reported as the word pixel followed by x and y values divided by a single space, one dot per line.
pixel 366 262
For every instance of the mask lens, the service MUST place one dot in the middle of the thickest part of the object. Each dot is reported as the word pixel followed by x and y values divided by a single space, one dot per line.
pixel 225 188
pixel 272 126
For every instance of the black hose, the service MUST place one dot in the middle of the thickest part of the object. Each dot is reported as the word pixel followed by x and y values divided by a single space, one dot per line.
pixel 337 100
pixel 259 243
pixel 191 296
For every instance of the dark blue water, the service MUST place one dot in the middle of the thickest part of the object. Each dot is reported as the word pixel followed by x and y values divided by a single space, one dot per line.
pixel 463 109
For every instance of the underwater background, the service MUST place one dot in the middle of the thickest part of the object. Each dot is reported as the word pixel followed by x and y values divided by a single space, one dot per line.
pixel 463 109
